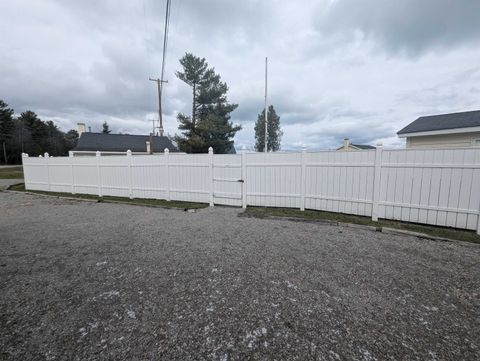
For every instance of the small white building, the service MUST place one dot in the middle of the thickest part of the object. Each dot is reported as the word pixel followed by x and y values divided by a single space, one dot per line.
pixel 444 131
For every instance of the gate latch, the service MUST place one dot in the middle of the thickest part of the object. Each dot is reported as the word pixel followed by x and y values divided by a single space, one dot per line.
pixel 241 181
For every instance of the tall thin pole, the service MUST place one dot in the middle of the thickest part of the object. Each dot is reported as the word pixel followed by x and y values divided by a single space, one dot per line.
pixel 266 109
pixel 160 84
pixel 162 74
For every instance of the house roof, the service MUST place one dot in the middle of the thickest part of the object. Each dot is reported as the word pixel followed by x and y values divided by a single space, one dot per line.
pixel 443 122
pixel 121 143
pixel 363 146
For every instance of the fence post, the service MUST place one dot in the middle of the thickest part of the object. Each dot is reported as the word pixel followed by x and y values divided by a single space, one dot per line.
pixel 99 173
pixel 478 221
pixel 244 177
pixel 48 169
pixel 210 158
pixel 72 172
pixel 303 180
pixel 376 181
pixel 24 155
pixel 478 224
pixel 129 159
pixel 167 170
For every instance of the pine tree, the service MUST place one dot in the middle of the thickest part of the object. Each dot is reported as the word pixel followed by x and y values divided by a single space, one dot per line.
pixel 105 128
pixel 7 127
pixel 274 133
pixel 209 125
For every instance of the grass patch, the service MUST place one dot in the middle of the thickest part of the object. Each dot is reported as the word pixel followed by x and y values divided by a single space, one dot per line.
pixel 445 232
pixel 111 199
pixel 11 173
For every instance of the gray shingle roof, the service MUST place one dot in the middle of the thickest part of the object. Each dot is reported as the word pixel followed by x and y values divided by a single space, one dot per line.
pixel 443 121
pixel 121 143
pixel 363 146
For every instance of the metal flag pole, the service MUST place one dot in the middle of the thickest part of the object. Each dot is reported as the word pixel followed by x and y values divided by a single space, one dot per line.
pixel 266 109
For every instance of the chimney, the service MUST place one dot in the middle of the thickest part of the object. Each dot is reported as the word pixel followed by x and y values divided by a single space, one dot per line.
pixel 81 128
pixel 150 144
pixel 346 143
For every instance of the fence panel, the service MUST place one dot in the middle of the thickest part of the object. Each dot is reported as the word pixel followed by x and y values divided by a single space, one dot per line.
pixel 340 181
pixel 189 177
pixel 431 186
pixel 150 176
pixel 438 187
pixel 273 179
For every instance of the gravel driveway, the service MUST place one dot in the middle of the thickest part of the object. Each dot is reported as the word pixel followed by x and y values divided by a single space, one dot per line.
pixel 95 281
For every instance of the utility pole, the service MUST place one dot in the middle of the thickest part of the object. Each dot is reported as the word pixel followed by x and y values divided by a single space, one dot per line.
pixel 162 74
pixel 266 109
pixel 159 86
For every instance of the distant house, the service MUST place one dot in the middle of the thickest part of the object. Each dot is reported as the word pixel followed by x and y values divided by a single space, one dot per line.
pixel 445 130
pixel 90 143
pixel 348 147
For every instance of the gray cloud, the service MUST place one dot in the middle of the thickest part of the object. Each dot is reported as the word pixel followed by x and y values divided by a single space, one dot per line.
pixel 327 77
pixel 407 26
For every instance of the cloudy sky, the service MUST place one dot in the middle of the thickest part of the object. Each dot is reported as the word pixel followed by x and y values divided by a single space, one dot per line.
pixel 337 68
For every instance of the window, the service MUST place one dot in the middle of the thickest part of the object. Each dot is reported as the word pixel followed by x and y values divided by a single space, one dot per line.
pixel 476 142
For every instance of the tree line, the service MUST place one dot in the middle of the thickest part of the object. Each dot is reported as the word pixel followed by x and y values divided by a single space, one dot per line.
pixel 27 133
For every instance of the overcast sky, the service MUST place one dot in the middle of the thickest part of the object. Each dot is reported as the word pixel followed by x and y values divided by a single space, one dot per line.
pixel 344 68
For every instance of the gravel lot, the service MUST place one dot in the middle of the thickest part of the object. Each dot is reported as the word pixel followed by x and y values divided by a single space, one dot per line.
pixel 94 281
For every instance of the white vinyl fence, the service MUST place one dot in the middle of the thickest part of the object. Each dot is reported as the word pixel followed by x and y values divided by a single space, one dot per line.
pixel 438 187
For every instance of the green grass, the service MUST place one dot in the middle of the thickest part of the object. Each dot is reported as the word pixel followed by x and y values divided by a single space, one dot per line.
pixel 11 173
pixel 107 199
pixel 452 233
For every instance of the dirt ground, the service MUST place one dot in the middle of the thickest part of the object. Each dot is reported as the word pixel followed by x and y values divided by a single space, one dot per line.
pixel 95 281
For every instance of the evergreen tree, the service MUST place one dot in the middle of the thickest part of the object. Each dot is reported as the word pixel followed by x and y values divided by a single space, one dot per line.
pixel 274 133
pixel 209 125
pixel 105 128
pixel 29 134
pixel 7 127
pixel 71 138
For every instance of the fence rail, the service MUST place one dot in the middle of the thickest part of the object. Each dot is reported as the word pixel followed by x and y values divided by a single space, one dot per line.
pixel 438 187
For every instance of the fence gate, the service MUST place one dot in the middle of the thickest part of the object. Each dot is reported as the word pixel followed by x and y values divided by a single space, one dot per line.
pixel 227 179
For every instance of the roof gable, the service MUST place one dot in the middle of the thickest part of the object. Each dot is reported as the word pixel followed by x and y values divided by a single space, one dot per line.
pixel 121 143
pixel 443 122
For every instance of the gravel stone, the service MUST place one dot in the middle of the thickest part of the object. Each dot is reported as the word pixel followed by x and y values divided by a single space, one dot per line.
pixel 99 281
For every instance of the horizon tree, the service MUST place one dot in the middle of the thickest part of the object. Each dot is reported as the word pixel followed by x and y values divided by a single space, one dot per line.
pixel 274 132
pixel 106 128
pixel 7 127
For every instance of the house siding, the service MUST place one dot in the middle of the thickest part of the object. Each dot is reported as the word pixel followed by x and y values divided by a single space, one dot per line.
pixel 443 141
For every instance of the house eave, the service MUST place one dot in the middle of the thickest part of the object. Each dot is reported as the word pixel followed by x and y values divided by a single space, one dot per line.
pixel 440 132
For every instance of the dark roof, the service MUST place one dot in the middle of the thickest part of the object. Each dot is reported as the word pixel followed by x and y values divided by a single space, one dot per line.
pixel 121 143
pixel 363 146
pixel 443 121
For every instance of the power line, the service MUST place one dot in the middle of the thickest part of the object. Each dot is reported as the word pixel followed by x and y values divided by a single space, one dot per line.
pixel 162 74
